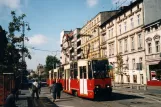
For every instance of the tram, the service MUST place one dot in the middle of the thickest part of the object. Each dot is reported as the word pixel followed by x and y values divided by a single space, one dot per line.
pixel 86 78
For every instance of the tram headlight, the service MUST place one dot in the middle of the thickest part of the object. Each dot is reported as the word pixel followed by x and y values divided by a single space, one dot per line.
pixel 97 86
pixel 108 86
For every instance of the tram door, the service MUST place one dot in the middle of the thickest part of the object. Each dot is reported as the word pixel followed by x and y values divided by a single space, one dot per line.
pixel 67 79
pixel 83 80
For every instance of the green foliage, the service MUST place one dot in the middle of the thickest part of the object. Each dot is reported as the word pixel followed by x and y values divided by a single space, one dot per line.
pixel 119 64
pixel 12 58
pixel 51 62
pixel 3 44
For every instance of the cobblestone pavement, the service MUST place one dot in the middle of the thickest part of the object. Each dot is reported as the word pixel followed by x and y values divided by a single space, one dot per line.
pixel 120 98
pixel 151 90
pixel 22 102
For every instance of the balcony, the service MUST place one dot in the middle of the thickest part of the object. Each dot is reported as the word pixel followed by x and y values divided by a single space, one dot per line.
pixel 78 39
pixel 78 47
pixel 78 55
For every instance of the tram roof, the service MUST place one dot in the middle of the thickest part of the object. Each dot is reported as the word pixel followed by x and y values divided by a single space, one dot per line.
pixel 93 59
pixel 98 59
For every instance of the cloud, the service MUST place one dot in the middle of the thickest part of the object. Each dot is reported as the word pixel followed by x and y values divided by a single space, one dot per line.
pixel 92 3
pixel 12 4
pixel 38 39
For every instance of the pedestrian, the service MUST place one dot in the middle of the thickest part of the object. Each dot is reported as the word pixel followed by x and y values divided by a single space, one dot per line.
pixel 60 88
pixel 35 89
pixel 53 90
pixel 10 101
pixel 39 87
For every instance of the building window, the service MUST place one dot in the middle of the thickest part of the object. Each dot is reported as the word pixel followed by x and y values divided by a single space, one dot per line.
pixel 125 26
pixel 157 46
pixel 128 78
pixel 125 45
pixel 105 53
pixel 140 60
pixel 132 43
pixel 135 78
pixel 109 49
pixel 132 23
pixel 120 46
pixel 139 41
pixel 149 48
pixel 139 65
pixel 138 6
pixel 138 19
pixel 109 34
pixel 133 64
pixel 112 48
pixel 120 29
pixel 112 32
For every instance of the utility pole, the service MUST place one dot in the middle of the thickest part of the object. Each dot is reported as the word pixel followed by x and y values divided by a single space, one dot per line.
pixel 23 46
pixel 23 43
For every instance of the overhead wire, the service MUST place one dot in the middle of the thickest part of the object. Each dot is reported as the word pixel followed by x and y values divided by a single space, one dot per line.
pixel 121 4
pixel 33 48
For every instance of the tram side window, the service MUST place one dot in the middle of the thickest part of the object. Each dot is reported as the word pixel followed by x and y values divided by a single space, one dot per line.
pixel 55 75
pixel 71 74
pixel 75 71
pixel 89 72
pixel 75 74
pixel 84 72
pixel 81 71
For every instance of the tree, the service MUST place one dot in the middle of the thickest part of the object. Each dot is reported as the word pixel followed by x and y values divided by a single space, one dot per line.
pixel 14 49
pixel 120 66
pixel 3 44
pixel 51 62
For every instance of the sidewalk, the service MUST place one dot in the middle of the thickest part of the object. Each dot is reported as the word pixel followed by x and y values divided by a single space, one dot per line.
pixel 149 90
pixel 22 101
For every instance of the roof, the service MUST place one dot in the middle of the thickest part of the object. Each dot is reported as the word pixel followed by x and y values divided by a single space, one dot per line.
pixel 97 15
pixel 122 11
pixel 148 25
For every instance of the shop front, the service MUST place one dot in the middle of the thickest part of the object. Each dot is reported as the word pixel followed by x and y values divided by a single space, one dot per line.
pixel 154 74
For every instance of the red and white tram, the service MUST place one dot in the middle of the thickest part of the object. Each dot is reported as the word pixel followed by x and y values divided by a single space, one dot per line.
pixel 85 78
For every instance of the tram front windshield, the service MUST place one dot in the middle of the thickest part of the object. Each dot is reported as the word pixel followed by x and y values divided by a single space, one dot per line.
pixel 99 68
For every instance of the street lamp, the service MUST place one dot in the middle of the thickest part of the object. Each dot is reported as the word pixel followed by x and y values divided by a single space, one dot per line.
pixel 24 24
pixel 54 65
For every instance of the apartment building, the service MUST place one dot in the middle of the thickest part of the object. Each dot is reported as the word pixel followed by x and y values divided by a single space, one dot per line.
pixel 40 69
pixel 125 37
pixel 153 52
pixel 65 52
pixel 90 35
pixel 152 32
pixel 75 45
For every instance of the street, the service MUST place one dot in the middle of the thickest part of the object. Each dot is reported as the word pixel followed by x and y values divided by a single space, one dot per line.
pixel 120 98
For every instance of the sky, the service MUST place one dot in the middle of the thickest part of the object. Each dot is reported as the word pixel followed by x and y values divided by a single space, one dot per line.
pixel 47 18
